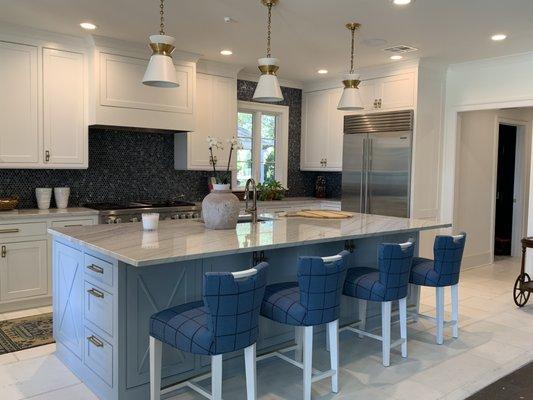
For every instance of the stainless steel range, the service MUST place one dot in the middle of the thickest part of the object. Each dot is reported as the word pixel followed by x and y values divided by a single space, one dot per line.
pixel 116 213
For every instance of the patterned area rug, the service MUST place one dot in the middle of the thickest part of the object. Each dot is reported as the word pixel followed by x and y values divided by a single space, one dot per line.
pixel 24 333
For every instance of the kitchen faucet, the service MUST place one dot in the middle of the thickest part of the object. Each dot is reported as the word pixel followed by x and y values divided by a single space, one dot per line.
pixel 252 211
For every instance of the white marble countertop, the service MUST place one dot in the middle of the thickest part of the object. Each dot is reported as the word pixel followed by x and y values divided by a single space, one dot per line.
pixel 52 212
pixel 180 240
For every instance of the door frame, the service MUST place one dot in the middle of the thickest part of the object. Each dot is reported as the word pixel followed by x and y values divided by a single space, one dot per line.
pixel 519 192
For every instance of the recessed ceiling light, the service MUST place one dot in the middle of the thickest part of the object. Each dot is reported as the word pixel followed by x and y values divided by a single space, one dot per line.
pixel 89 26
pixel 499 37
pixel 396 57
pixel 226 52
pixel 402 2
pixel 322 71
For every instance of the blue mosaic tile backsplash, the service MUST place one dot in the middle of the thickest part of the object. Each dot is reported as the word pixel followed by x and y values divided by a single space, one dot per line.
pixel 129 166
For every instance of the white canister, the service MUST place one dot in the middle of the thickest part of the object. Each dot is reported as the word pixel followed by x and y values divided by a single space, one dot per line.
pixel 150 221
pixel 61 195
pixel 44 195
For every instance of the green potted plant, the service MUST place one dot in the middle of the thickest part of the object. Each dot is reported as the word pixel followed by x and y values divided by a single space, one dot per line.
pixel 270 190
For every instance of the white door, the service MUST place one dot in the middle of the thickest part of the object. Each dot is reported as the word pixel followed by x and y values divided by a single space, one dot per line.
pixel 335 132
pixel 19 115
pixel 23 269
pixel 397 92
pixel 65 129
pixel 314 130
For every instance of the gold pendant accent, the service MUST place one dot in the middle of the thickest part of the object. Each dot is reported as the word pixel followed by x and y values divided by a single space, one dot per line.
pixel 269 2
pixel 351 83
pixel 162 48
pixel 268 69
pixel 353 26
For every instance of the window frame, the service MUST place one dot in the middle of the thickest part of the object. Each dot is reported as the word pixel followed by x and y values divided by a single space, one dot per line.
pixel 281 143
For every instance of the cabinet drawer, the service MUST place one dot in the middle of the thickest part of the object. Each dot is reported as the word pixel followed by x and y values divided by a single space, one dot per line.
pixel 71 223
pixel 21 230
pixel 99 270
pixel 98 356
pixel 99 307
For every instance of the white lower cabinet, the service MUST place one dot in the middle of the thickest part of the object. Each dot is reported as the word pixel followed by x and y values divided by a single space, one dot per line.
pixel 216 115
pixel 23 269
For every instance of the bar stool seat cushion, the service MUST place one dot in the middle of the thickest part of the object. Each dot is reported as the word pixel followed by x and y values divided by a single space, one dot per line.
pixel 185 327
pixel 282 304
pixel 363 283
pixel 423 273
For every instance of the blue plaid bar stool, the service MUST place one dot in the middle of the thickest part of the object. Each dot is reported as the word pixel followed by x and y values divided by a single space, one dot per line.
pixel 225 321
pixel 440 273
pixel 386 284
pixel 313 300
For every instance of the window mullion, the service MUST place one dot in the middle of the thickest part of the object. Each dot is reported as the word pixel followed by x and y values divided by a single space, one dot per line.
pixel 256 145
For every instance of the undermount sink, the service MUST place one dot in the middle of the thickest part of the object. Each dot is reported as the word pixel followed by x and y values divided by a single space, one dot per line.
pixel 248 218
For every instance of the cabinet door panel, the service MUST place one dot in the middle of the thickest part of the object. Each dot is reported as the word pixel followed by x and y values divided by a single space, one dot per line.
pixel 314 129
pixel 198 154
pixel 65 130
pixel 24 270
pixel 224 114
pixel 397 92
pixel 368 94
pixel 121 86
pixel 335 132
pixel 19 140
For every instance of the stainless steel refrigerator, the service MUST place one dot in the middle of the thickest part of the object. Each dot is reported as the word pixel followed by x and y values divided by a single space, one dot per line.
pixel 376 168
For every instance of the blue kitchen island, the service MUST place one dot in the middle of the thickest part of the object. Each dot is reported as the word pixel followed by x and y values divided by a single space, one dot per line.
pixel 109 279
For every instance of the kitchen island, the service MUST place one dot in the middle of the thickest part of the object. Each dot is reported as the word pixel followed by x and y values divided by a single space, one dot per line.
pixel 109 280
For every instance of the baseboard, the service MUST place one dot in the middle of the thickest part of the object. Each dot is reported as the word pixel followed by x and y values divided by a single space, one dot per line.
pixel 476 260
pixel 19 305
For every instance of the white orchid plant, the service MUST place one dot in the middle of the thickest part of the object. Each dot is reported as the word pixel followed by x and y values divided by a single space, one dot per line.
pixel 216 143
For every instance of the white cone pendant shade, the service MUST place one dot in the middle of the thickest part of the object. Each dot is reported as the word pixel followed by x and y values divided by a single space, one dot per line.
pixel 268 89
pixel 161 71
pixel 351 95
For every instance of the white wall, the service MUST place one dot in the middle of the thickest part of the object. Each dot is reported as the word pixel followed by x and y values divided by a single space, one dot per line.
pixel 483 85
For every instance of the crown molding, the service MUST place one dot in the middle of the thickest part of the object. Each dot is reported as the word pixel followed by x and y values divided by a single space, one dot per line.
pixel 246 76
pixel 218 68
pixel 24 34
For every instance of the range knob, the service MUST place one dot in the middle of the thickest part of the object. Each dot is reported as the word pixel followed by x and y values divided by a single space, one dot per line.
pixel 134 219
pixel 118 220
pixel 110 220
pixel 175 216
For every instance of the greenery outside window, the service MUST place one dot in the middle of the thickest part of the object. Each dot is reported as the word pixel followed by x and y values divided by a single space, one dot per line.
pixel 262 130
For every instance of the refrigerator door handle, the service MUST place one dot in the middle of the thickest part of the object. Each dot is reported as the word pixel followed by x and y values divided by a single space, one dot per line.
pixel 368 195
pixel 362 203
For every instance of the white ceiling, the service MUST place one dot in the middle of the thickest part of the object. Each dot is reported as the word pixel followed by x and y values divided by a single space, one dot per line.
pixel 308 34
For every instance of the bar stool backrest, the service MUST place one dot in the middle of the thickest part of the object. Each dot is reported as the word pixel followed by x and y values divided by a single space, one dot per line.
pixel 320 281
pixel 234 301
pixel 394 261
pixel 448 254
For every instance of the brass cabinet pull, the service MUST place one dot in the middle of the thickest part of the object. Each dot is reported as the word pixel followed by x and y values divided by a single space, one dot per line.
pixel 11 230
pixel 4 251
pixel 96 293
pixel 94 340
pixel 95 268
pixel 47 156
pixel 69 226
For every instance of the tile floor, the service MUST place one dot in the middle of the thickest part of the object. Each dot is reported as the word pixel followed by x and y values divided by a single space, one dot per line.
pixel 495 339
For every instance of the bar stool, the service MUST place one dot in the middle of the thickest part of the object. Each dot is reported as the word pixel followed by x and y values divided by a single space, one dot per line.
pixel 440 273
pixel 225 321
pixel 313 300
pixel 387 284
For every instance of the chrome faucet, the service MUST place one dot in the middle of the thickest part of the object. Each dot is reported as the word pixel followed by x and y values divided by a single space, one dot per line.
pixel 252 211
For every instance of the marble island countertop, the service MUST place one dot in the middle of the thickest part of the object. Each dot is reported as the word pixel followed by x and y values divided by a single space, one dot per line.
pixel 180 240
pixel 51 212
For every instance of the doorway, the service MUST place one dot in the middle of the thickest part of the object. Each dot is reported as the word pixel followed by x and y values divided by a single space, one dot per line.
pixel 505 199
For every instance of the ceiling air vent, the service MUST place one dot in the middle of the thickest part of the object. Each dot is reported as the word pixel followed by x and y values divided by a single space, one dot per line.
pixel 401 48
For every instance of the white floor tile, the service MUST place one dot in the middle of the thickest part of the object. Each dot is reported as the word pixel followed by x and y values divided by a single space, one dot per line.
pixel 34 352
pixel 22 313
pixel 8 359
pixel 75 392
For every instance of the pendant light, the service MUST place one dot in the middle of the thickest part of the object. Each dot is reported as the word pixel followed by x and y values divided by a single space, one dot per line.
pixel 268 89
pixel 161 71
pixel 351 97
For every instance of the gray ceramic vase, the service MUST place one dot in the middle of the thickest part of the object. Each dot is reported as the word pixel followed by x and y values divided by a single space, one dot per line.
pixel 220 208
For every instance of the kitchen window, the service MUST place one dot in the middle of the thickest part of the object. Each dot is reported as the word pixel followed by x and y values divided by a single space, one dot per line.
pixel 263 131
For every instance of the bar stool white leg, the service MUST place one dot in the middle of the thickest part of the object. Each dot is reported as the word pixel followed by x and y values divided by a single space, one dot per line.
pixel 308 361
pixel 333 334
pixel 362 315
pixel 403 325
pixel 417 289
pixel 440 315
pixel 156 347
pixel 299 339
pixel 385 331
pixel 216 377
pixel 251 379
pixel 327 338
pixel 455 310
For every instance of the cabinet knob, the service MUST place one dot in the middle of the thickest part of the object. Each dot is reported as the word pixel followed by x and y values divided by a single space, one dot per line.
pixel 47 155
pixel 379 103
pixel 4 251
pixel 375 103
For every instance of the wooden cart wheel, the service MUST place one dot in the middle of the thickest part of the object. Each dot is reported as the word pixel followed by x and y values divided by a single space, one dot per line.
pixel 521 296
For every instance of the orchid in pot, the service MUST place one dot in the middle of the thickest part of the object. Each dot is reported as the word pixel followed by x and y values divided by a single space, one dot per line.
pixel 220 208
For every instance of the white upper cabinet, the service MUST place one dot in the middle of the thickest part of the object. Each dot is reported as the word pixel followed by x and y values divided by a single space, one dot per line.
pixel 322 131
pixel 391 93
pixel 216 115
pixel 19 106
pixel 123 100
pixel 64 106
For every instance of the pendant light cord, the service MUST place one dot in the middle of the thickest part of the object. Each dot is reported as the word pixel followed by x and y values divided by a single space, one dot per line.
pixel 269 26
pixel 162 18
pixel 353 50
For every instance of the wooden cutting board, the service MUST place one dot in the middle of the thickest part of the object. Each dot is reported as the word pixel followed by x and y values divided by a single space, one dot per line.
pixel 322 214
